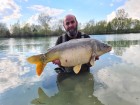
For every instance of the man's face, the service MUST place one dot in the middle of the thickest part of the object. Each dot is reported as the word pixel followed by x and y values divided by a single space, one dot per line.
pixel 70 23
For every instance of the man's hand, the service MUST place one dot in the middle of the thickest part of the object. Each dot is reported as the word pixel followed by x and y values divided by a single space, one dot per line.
pixel 96 58
pixel 57 62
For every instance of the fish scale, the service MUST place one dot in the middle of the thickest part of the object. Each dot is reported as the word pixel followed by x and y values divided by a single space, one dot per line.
pixel 73 53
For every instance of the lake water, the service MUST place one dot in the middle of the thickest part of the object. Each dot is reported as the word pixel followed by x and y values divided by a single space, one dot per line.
pixel 114 80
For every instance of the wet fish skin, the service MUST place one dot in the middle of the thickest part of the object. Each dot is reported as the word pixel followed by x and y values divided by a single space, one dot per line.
pixel 73 53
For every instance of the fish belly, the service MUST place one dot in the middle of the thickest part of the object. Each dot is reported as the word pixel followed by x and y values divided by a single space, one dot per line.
pixel 75 56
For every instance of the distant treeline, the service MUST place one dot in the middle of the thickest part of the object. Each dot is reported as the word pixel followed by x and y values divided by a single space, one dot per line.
pixel 120 24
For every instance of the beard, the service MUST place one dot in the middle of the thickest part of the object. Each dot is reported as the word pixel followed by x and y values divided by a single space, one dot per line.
pixel 72 33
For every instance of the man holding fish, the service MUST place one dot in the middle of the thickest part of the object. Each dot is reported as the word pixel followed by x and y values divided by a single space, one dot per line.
pixel 78 52
pixel 70 24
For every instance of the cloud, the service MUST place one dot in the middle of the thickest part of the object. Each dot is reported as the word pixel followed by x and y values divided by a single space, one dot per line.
pixel 117 0
pixel 114 2
pixel 42 9
pixel 111 16
pixel 132 54
pixel 9 10
pixel 70 10
pixel 33 19
pixel 48 10
pixel 111 4
pixel 120 85
pixel 11 73
pixel 130 6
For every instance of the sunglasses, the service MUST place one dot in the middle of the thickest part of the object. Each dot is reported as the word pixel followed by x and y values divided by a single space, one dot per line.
pixel 68 23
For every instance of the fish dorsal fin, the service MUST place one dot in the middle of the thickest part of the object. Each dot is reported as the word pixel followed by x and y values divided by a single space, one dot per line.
pixel 92 60
pixel 77 68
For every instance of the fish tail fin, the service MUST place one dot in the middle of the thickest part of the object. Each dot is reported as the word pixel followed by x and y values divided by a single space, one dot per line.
pixel 38 60
pixel 39 68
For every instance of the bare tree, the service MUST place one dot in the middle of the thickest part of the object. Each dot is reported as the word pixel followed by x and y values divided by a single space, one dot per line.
pixel 44 20
pixel 120 21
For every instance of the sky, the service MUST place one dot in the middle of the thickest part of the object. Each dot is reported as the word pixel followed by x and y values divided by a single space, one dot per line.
pixel 27 11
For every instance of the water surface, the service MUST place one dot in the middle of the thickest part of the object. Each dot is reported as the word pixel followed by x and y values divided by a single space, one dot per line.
pixel 114 80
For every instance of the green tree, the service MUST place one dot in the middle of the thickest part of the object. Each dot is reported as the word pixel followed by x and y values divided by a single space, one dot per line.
pixel 89 27
pixel 101 27
pixel 4 31
pixel 136 25
pixel 128 25
pixel 26 30
pixel 58 28
pixel 109 28
pixel 15 30
pixel 36 29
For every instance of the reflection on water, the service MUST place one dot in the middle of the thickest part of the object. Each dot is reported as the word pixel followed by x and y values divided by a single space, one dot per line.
pixel 21 45
pixel 73 90
pixel 120 85
pixel 114 80
pixel 121 46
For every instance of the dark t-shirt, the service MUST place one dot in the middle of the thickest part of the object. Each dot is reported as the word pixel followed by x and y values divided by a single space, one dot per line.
pixel 65 37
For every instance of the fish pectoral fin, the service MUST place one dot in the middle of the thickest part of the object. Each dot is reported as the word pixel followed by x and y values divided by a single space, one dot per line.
pixel 40 67
pixel 92 60
pixel 77 68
